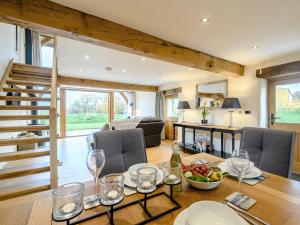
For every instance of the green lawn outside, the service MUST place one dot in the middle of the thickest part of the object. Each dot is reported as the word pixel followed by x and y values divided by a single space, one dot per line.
pixel 288 115
pixel 89 121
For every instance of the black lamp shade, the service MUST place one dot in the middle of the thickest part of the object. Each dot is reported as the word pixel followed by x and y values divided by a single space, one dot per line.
pixel 231 103
pixel 183 105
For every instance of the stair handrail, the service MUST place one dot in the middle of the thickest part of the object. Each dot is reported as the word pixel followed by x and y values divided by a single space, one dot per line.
pixel 53 121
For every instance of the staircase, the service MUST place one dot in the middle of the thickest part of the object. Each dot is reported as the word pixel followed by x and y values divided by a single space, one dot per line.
pixel 28 98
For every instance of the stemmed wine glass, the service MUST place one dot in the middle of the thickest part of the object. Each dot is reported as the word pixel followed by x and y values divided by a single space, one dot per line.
pixel 200 141
pixel 95 162
pixel 240 162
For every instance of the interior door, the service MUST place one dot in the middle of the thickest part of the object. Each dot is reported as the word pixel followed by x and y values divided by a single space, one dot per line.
pixel 171 103
pixel 284 110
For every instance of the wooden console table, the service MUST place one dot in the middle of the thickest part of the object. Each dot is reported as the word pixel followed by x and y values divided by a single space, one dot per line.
pixel 211 128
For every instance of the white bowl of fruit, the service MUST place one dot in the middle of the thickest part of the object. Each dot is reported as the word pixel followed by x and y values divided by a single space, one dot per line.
pixel 203 176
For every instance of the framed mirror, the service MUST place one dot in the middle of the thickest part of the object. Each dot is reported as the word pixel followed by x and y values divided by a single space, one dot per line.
pixel 211 94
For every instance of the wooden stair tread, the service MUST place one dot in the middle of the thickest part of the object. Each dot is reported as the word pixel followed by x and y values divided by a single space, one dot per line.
pixel 25 154
pixel 23 117
pixel 20 141
pixel 24 170
pixel 27 83
pixel 21 90
pixel 29 78
pixel 24 189
pixel 21 98
pixel 23 107
pixel 31 68
pixel 23 128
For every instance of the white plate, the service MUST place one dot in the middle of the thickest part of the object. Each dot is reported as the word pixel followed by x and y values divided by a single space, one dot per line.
pixel 253 173
pixel 132 170
pixel 229 163
pixel 128 181
pixel 180 219
pixel 212 213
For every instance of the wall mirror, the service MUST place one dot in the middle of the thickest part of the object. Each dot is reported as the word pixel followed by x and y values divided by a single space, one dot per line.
pixel 211 94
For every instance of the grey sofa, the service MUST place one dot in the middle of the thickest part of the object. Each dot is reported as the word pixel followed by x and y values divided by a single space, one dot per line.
pixel 122 148
pixel 269 149
pixel 152 128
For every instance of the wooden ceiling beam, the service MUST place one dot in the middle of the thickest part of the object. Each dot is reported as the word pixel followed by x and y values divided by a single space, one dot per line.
pixel 52 18
pixel 287 70
pixel 71 81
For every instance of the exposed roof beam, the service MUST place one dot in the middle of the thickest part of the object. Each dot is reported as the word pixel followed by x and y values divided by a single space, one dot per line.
pixel 71 81
pixel 50 17
pixel 291 69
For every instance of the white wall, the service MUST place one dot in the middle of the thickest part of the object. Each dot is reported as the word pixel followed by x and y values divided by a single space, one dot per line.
pixel 251 91
pixel 7 52
pixel 145 103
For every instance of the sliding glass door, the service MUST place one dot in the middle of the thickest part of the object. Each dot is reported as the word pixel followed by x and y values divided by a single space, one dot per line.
pixel 86 111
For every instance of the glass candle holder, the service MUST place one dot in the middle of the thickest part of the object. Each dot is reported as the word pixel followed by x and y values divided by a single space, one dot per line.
pixel 146 180
pixel 111 189
pixel 67 201
pixel 172 173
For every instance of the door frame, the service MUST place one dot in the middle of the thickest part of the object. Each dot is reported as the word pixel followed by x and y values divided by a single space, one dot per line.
pixel 170 119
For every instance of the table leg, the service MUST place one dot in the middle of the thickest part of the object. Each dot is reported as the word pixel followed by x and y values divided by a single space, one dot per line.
pixel 233 142
pixel 211 141
pixel 194 133
pixel 183 138
pixel 222 144
pixel 174 133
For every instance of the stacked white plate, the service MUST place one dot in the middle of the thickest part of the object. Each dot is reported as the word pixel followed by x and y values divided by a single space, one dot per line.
pixel 131 175
pixel 252 171
pixel 209 213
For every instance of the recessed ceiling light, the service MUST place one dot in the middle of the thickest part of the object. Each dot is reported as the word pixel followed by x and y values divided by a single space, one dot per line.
pixel 204 19
pixel 255 47
pixel 80 70
pixel 124 71
pixel 87 57
pixel 144 58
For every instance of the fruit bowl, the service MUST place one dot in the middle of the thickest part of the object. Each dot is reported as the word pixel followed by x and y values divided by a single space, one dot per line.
pixel 203 176
pixel 204 185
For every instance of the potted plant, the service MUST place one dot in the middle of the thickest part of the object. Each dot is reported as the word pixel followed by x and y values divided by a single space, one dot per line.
pixel 204 113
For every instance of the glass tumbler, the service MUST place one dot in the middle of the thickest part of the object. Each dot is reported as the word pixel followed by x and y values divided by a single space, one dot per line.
pixel 67 201
pixel 172 173
pixel 111 189
pixel 146 180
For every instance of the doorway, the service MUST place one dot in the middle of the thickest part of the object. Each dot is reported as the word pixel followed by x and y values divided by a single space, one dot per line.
pixel 284 110
pixel 171 104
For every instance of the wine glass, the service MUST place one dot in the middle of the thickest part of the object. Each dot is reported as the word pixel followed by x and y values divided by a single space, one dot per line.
pixel 95 162
pixel 240 162
pixel 200 141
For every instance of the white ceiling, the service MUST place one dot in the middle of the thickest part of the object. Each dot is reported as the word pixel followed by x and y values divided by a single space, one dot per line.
pixel 235 26
pixel 72 62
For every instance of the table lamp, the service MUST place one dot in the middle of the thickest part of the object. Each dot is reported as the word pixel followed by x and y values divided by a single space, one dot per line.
pixel 183 105
pixel 231 103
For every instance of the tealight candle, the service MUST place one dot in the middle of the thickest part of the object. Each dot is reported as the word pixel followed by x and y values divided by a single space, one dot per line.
pixel 68 208
pixel 172 177
pixel 112 195
pixel 146 184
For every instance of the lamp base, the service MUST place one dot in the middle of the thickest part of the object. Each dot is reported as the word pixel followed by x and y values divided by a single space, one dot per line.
pixel 231 120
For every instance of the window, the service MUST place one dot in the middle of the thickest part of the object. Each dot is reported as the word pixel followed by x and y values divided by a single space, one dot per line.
pixel 120 106
pixel 288 103
pixel 86 111
pixel 172 104
pixel 47 56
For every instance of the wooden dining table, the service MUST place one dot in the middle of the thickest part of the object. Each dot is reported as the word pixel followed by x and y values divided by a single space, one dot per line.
pixel 278 202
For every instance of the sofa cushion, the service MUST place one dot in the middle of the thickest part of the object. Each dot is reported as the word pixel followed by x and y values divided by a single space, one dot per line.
pixel 150 119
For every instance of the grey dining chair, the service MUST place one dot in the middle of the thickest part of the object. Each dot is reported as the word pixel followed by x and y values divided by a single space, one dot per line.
pixel 270 150
pixel 122 149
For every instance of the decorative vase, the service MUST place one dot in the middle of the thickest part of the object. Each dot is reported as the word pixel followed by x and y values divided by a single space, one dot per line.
pixel 204 121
